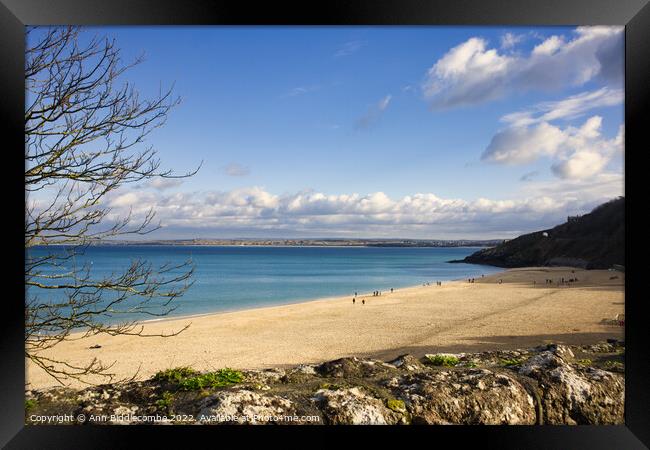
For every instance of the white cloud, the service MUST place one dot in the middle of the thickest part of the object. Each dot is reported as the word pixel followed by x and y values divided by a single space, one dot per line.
pixel 549 46
pixel 528 176
pixel 300 90
pixel 236 170
pixel 577 152
pixel 569 108
pixel 509 40
pixel 383 103
pixel 468 73
pixel 349 48
pixel 521 145
pixel 164 183
pixel 254 210
pixel 127 199
pixel 472 73
pixel 581 164
pixel 373 113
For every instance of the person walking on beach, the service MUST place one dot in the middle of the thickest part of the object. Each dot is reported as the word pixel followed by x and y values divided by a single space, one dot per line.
pixel 353 300
pixel 363 301
pixel 391 290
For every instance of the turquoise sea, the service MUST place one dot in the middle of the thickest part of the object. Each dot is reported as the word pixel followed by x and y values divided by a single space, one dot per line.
pixel 235 278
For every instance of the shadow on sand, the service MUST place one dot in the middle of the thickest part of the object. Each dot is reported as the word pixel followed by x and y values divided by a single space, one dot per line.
pixel 491 343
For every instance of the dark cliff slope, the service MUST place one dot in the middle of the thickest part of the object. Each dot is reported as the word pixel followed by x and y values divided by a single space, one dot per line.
pixel 593 241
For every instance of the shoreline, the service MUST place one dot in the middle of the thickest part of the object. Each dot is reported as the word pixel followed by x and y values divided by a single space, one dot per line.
pixel 457 317
pixel 297 302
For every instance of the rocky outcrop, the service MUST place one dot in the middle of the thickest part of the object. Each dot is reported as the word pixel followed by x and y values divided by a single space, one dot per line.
pixel 572 394
pixel 353 406
pixel 592 241
pixel 550 384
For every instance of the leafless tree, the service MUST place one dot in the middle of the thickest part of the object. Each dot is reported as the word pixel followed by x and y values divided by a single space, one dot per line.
pixel 84 134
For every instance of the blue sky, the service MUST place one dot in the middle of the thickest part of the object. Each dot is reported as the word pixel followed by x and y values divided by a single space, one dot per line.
pixel 430 132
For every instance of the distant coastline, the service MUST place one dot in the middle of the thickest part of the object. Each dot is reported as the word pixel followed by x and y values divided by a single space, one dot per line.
pixel 311 242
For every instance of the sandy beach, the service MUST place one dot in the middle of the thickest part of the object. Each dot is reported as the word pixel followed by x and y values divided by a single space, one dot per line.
pixel 520 311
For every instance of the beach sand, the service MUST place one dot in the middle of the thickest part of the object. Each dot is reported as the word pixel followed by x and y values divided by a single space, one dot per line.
pixel 455 317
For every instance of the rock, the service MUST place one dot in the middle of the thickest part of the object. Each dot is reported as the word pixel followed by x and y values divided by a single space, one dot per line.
pixel 545 384
pixel 264 376
pixel 475 396
pixel 354 407
pixel 352 367
pixel 407 362
pixel 244 406
pixel 306 369
pixel 575 395
pixel 124 415
pixel 601 348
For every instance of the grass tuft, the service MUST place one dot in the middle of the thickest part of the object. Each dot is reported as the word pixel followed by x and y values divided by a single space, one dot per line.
pixel 442 360
pixel 511 362
pixel 175 375
pixel 30 403
pixel 396 405
pixel 188 379
pixel 165 402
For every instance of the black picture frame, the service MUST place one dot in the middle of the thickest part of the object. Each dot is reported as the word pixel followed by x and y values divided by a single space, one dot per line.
pixel 15 14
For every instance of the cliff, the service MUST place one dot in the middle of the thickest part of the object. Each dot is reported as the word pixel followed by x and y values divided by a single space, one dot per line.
pixel 592 241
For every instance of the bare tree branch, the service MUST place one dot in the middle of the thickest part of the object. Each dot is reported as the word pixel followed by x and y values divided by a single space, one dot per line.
pixel 84 136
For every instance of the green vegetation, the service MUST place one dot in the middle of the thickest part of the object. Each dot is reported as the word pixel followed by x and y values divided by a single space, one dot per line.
pixel 220 378
pixel 610 364
pixel 442 360
pixel 585 362
pixel 470 364
pixel 396 405
pixel 188 379
pixel 329 386
pixel 30 403
pixel 165 402
pixel 511 362
pixel 174 375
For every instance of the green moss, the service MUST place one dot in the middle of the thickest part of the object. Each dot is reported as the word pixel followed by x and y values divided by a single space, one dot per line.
pixel 30 403
pixel 442 360
pixel 511 362
pixel 220 378
pixel 165 401
pixel 585 362
pixel 188 379
pixel 332 387
pixel 609 364
pixel 396 405
pixel 174 375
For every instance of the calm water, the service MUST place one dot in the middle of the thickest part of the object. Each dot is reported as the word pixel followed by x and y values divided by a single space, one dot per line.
pixel 233 278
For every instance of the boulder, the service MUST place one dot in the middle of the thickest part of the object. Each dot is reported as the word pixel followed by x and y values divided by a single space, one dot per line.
pixel 354 407
pixel 471 396
pixel 244 407
pixel 572 394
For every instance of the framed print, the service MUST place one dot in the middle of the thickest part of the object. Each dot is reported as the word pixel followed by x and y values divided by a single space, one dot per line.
pixel 407 215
